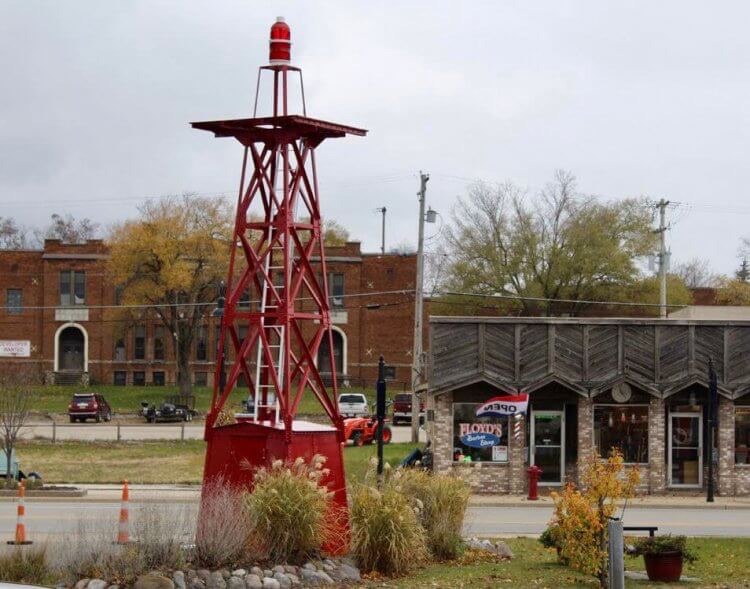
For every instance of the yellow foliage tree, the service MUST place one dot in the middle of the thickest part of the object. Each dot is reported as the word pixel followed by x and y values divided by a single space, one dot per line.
pixel 579 523
pixel 172 259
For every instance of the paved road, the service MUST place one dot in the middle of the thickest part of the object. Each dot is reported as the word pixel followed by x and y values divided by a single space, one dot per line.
pixel 61 518
pixel 485 521
pixel 156 431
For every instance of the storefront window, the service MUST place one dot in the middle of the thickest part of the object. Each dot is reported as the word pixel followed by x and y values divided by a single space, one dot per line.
pixel 622 427
pixel 478 439
pixel 742 435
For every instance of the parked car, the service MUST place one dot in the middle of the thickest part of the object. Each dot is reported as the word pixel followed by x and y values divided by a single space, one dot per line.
pixel 402 408
pixel 85 406
pixel 353 405
pixel 167 411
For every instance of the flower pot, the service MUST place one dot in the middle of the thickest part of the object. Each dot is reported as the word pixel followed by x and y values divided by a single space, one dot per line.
pixel 664 566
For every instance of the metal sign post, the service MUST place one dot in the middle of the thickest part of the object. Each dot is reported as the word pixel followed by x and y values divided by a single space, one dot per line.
pixel 380 413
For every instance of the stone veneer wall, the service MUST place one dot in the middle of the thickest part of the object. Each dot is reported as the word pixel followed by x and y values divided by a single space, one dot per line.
pixel 585 435
pixel 511 477
pixel 726 485
pixel 656 478
pixel 483 477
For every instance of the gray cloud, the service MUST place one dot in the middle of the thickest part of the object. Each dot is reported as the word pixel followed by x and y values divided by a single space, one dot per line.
pixel 636 98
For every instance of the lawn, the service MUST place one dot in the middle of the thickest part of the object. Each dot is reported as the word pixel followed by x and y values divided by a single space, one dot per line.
pixel 55 399
pixel 723 562
pixel 152 461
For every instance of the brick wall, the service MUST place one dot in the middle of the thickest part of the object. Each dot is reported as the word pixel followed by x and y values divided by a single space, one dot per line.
pixel 585 435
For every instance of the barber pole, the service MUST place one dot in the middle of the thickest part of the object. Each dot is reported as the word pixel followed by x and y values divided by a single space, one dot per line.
pixel 123 535
pixel 517 425
pixel 20 525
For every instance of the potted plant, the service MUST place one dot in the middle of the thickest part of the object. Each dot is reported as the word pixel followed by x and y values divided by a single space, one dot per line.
pixel 664 556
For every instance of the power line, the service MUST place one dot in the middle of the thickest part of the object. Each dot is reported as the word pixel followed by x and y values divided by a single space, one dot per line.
pixel 550 300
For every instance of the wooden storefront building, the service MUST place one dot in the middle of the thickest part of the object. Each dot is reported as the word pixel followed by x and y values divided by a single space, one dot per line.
pixel 640 385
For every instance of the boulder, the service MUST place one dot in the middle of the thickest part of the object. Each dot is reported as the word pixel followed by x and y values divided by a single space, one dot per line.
pixel 294 579
pixel 290 568
pixel 348 572
pixel 97 584
pixel 216 581
pixel 204 574
pixel 253 581
pixel 239 573
pixel 225 573
pixel 324 578
pixel 309 578
pixel 257 571
pixel 270 583
pixel 503 550
pixel 153 582
pixel 236 582
pixel 197 583
pixel 82 584
pixel 179 580
pixel 284 581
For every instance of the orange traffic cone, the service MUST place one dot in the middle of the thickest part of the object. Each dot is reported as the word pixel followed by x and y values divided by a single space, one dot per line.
pixel 20 525
pixel 123 536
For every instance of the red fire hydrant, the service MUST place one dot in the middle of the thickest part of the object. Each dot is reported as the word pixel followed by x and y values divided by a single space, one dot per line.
pixel 534 473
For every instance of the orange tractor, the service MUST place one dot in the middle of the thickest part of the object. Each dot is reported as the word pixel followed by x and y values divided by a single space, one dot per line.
pixel 364 430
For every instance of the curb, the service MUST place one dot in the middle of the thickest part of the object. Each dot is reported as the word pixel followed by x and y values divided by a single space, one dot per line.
pixel 534 504
pixel 42 494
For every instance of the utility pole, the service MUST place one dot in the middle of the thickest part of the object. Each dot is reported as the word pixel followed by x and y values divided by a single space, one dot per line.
pixel 417 367
pixel 663 257
pixel 382 230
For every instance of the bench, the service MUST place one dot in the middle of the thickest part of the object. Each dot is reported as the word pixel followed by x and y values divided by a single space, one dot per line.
pixel 650 529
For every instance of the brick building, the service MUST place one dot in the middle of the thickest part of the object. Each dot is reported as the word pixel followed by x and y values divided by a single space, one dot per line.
pixel 639 385
pixel 55 324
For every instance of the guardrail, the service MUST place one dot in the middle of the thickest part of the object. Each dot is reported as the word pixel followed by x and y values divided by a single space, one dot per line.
pixel 113 431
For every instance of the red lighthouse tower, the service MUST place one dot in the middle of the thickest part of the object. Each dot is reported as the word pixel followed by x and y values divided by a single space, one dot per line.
pixel 276 313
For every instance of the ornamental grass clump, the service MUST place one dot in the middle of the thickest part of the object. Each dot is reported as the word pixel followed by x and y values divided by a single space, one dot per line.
pixel 443 500
pixel 25 565
pixel 386 533
pixel 290 510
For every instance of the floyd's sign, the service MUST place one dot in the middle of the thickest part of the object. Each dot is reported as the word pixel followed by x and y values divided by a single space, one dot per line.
pixel 480 435
pixel 508 405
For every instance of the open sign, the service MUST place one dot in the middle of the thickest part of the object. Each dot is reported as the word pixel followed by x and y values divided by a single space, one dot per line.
pixel 507 405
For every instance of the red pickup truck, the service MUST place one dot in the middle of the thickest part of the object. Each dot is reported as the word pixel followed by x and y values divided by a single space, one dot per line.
pixel 402 408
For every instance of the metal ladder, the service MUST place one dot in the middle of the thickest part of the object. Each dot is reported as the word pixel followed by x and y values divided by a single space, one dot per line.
pixel 275 335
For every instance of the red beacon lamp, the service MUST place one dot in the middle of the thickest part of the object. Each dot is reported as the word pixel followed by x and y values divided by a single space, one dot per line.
pixel 276 319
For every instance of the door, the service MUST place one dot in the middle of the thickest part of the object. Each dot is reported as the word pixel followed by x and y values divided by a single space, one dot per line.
pixel 686 449
pixel 548 445
pixel 71 349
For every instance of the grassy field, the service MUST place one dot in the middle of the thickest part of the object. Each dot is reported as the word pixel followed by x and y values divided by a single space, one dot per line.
pixel 722 563
pixel 55 399
pixel 152 462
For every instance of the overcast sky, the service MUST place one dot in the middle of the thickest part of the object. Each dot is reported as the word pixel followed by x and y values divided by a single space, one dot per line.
pixel 635 98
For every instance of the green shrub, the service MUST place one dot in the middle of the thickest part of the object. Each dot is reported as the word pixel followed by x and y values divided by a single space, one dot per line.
pixel 290 510
pixel 664 544
pixel 386 533
pixel 442 500
pixel 24 565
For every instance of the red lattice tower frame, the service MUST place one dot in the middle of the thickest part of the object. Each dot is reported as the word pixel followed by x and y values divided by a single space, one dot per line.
pixel 276 250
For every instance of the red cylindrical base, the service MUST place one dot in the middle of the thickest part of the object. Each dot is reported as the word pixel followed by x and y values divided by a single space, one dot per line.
pixel 232 448
pixel 534 473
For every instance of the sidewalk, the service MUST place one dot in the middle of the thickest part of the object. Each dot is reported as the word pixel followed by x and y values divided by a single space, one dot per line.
pixel 191 493
pixel 668 501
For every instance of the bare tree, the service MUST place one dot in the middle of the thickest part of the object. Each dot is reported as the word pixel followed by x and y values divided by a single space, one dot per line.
pixel 12 235
pixel 68 229
pixel 696 273
pixel 15 405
